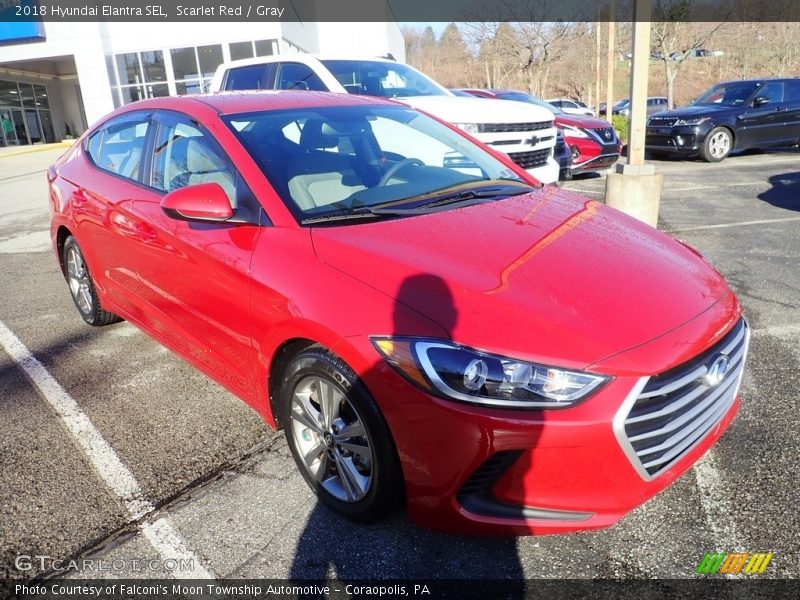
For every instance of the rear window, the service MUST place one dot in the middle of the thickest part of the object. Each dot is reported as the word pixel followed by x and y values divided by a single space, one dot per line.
pixel 253 77
pixel 118 147
pixel 793 91
pixel 374 78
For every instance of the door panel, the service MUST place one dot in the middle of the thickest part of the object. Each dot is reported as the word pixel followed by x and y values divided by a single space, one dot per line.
pixel 763 125
pixel 194 276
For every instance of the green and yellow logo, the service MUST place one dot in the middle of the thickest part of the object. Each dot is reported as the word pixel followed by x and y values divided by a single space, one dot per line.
pixel 732 563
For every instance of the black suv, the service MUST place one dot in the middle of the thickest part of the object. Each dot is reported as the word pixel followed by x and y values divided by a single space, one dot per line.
pixel 737 115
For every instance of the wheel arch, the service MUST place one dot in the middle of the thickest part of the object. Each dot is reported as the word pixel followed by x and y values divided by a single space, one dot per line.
pixel 61 237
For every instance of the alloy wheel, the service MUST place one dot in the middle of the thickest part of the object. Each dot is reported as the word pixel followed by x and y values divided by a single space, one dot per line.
pixel 79 283
pixel 331 438
pixel 720 144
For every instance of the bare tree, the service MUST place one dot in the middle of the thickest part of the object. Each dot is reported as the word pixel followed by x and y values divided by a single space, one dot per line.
pixel 674 39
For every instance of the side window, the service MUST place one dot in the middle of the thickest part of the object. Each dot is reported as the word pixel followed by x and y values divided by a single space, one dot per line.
pixel 93 146
pixel 184 155
pixel 297 76
pixel 254 77
pixel 793 92
pixel 118 147
pixel 773 91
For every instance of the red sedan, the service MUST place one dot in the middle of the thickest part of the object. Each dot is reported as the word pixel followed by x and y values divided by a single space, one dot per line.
pixel 427 324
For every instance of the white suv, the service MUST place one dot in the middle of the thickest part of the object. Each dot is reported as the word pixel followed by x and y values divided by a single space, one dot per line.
pixel 523 131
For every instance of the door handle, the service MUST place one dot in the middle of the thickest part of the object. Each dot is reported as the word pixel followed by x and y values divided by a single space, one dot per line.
pixel 145 232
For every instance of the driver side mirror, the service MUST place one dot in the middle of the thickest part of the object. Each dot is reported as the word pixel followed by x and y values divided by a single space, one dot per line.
pixel 760 101
pixel 201 202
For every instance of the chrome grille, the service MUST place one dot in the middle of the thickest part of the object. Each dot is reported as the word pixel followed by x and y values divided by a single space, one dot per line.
pixel 507 127
pixel 661 121
pixel 529 160
pixel 673 411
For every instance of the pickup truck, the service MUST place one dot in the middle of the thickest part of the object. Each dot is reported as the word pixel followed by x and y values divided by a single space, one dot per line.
pixel 525 132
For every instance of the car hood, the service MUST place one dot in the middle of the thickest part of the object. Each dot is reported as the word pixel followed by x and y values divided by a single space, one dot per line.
pixel 696 111
pixel 546 276
pixel 458 109
pixel 582 121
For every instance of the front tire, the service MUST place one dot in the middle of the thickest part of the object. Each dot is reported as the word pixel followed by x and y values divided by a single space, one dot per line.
pixel 339 438
pixel 717 145
pixel 81 286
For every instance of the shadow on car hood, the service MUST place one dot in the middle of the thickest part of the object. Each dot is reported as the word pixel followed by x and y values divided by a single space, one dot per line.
pixel 547 276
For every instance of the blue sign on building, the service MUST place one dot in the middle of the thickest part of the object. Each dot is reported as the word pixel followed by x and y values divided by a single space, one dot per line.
pixel 17 25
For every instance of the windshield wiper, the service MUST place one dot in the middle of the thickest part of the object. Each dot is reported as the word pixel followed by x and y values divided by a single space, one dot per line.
pixel 342 214
pixel 392 209
pixel 424 207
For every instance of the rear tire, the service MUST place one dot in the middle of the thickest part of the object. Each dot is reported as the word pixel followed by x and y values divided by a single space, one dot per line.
pixel 717 145
pixel 339 438
pixel 82 288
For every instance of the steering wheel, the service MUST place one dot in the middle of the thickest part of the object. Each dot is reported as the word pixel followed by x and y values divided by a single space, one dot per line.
pixel 397 166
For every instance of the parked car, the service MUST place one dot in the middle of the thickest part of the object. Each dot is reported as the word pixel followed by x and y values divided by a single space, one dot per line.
pixel 592 142
pixel 572 107
pixel 736 115
pixel 563 156
pixel 526 134
pixel 654 104
pixel 500 356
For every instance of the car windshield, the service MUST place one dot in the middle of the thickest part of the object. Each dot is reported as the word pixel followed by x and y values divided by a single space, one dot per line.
pixel 378 78
pixel 523 97
pixel 727 94
pixel 623 103
pixel 354 162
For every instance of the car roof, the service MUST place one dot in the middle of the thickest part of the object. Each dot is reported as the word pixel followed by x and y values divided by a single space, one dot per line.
pixel 301 57
pixel 259 100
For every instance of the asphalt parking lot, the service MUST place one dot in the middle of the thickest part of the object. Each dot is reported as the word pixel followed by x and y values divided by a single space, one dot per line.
pixel 219 488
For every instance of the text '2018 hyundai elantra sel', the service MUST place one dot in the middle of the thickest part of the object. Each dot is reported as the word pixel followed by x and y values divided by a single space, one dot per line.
pixel 428 325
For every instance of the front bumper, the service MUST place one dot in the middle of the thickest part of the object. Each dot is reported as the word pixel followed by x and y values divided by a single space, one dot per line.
pixel 470 469
pixel 589 156
pixel 683 139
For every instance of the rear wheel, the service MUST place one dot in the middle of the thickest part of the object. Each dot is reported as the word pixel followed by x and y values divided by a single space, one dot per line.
pixel 82 288
pixel 717 145
pixel 339 438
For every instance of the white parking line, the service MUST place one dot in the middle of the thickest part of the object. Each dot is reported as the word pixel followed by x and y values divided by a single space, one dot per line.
pixel 162 536
pixel 738 224
pixel 693 188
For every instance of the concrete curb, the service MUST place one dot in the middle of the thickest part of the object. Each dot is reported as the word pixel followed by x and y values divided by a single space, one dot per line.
pixel 37 148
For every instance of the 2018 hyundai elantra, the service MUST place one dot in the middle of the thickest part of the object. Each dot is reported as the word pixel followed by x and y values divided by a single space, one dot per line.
pixel 427 324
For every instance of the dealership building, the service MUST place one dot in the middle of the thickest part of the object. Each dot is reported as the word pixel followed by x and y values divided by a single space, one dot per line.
pixel 57 78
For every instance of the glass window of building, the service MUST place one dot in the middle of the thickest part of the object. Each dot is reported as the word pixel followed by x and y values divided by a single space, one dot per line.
pixel 240 50
pixel 153 66
pixel 128 68
pixel 265 47
pixel 41 97
pixel 193 86
pixel 184 63
pixel 26 95
pixel 9 93
pixel 209 57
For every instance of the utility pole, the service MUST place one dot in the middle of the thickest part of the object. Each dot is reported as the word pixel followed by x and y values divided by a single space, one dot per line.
pixel 598 30
pixel 639 76
pixel 612 17
pixel 635 187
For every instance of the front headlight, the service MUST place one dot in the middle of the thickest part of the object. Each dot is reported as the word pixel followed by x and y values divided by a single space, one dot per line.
pixel 695 121
pixel 467 375
pixel 571 131
pixel 469 127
